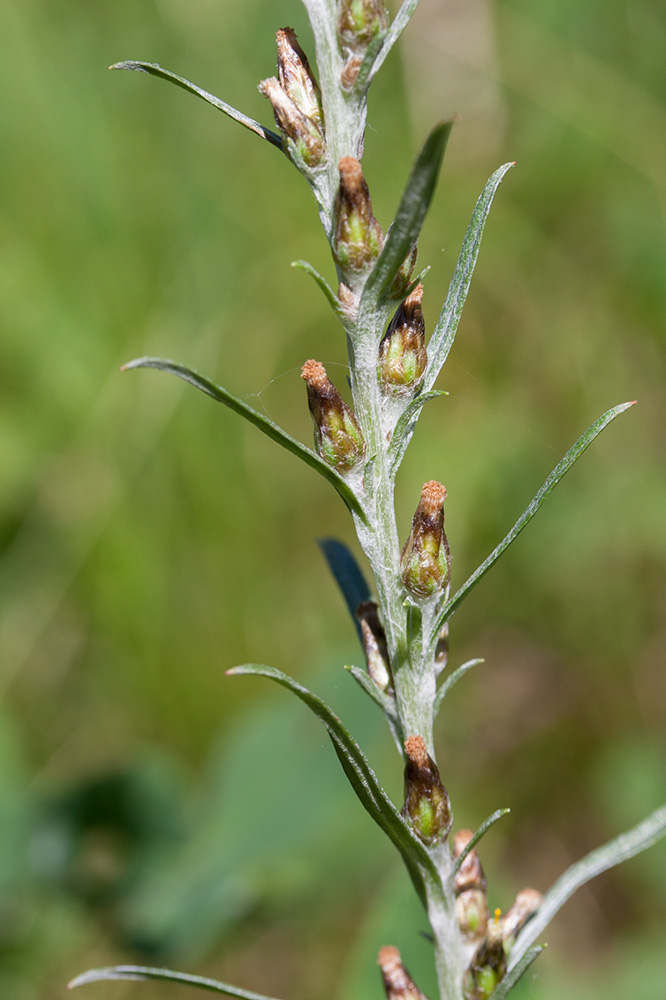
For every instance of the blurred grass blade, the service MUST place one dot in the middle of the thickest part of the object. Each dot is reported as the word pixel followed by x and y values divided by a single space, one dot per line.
pixel 304 265
pixel 411 212
pixel 238 116
pixel 453 679
pixel 481 832
pixel 444 333
pixel 362 779
pixel 516 972
pixel 348 576
pixel 398 25
pixel 263 423
pixel 613 853
pixel 405 427
pixel 140 973
pixel 558 472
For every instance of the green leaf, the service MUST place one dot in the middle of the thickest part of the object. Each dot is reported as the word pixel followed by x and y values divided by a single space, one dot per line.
pixel 332 298
pixel 348 576
pixel 453 679
pixel 238 116
pixel 516 973
pixel 259 420
pixel 558 472
pixel 400 22
pixel 366 71
pixel 444 333
pixel 411 212
pixel 362 779
pixel 405 427
pixel 142 973
pixel 481 832
pixel 613 853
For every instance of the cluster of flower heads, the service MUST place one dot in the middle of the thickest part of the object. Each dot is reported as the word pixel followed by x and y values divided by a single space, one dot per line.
pixel 486 940
pixel 296 101
pixel 294 93
pixel 357 241
pixel 425 563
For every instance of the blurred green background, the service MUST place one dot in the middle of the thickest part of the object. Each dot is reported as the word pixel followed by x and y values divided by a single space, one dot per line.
pixel 152 810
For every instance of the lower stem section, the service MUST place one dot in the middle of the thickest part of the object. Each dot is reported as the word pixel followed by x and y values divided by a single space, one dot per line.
pixel 446 933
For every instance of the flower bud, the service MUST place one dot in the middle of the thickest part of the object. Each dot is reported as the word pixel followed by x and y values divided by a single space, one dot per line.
pixel 402 351
pixel 426 800
pixel 425 562
pixel 338 437
pixel 374 645
pixel 488 967
pixel 296 77
pixel 359 21
pixel 470 889
pixel 525 905
pixel 358 237
pixel 294 124
pixel 397 982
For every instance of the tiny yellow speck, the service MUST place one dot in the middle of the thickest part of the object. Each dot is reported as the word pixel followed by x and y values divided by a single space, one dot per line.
pixel 498 913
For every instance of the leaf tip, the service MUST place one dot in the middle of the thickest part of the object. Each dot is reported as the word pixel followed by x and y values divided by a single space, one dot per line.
pixel 129 365
pixel 241 668
pixel 79 980
pixel 127 64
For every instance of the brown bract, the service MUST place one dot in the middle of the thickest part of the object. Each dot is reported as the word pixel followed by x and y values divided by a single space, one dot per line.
pixel 293 123
pixel 398 984
pixel 296 77
pixel 470 875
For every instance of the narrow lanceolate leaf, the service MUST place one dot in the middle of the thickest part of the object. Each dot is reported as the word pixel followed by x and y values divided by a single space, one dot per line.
pixel 348 576
pixel 366 71
pixel 142 973
pixel 238 116
pixel 400 22
pixel 411 212
pixel 516 972
pixel 558 472
pixel 613 853
pixel 303 265
pixel 258 419
pixel 444 333
pixel 405 427
pixel 473 841
pixel 362 779
pixel 452 679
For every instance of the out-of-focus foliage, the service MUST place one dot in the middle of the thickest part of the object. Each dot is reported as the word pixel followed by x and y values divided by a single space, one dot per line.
pixel 151 809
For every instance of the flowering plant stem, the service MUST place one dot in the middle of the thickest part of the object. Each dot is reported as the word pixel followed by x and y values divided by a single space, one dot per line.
pixel 358 449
